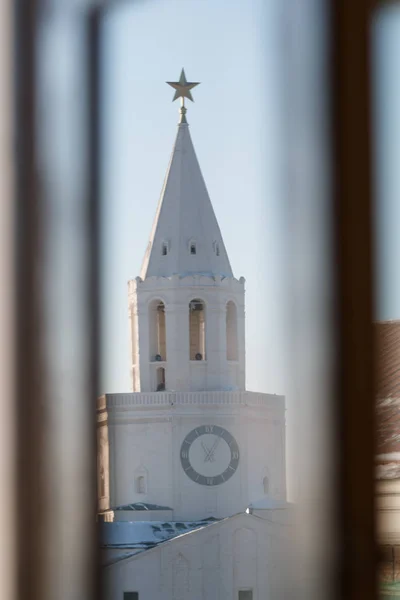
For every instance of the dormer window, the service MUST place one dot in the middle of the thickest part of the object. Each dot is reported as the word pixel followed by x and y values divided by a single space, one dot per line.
pixel 192 248
pixel 164 248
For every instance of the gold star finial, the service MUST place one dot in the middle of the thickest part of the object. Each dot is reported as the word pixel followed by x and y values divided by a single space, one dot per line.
pixel 182 90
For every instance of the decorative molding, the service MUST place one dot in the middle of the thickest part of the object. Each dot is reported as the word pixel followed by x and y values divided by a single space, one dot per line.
pixel 184 280
pixel 160 399
pixel 120 418
pixel 148 420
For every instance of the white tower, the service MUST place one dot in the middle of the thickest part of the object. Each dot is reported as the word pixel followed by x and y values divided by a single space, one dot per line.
pixel 189 436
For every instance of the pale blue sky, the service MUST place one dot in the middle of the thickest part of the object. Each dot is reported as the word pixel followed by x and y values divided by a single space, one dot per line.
pixel 387 105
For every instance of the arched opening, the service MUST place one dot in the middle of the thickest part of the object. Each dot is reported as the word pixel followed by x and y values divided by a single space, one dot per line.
pixel 141 484
pixel 160 379
pixel 266 485
pixel 231 332
pixel 197 330
pixel 157 331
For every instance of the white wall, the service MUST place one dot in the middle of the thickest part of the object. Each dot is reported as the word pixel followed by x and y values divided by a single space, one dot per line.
pixel 213 563
pixel 146 432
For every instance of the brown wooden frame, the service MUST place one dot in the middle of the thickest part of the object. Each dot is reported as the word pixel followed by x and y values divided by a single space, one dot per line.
pixel 56 549
pixel 354 290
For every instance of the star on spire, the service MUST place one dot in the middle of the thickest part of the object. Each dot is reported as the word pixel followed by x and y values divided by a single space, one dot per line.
pixel 182 88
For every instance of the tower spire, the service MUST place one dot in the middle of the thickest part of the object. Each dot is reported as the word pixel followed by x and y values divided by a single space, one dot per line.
pixel 185 238
pixel 182 90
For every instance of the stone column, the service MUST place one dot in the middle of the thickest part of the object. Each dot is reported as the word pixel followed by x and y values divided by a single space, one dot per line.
pixel 216 346
pixel 143 349
pixel 177 326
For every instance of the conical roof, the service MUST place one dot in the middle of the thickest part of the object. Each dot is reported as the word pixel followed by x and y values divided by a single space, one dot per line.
pixel 185 238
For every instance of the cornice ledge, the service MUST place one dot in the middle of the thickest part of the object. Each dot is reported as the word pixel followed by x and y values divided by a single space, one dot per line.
pixel 145 401
pixel 184 277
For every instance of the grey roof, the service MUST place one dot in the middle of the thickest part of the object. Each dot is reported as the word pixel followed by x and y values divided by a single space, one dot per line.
pixel 389 469
pixel 145 534
pixel 141 506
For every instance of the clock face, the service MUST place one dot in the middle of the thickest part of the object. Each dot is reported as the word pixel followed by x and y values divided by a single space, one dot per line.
pixel 209 455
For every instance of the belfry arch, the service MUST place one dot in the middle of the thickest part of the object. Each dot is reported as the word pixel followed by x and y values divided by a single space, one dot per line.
pixel 197 329
pixel 160 379
pixel 157 331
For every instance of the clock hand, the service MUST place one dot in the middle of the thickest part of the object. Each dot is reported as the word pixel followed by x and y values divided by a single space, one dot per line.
pixel 206 450
pixel 213 449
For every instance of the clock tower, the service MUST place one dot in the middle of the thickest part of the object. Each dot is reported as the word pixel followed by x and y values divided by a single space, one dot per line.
pixel 189 436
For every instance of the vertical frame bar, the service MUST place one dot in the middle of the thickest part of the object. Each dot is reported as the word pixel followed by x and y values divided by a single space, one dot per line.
pixel 7 305
pixel 30 411
pixel 95 154
pixel 56 122
pixel 352 202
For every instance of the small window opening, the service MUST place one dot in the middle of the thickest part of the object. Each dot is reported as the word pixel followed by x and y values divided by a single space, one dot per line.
pixel 131 595
pixel 141 484
pixel 266 485
pixel 160 379
pixel 192 248
pixel 164 249
pixel 197 330
pixel 216 248
pixel 245 595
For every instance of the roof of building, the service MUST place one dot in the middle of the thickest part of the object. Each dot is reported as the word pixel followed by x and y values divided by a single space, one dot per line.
pixel 194 527
pixel 387 339
pixel 142 535
pixel 140 506
pixel 388 359
pixel 185 218
pixel 388 466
